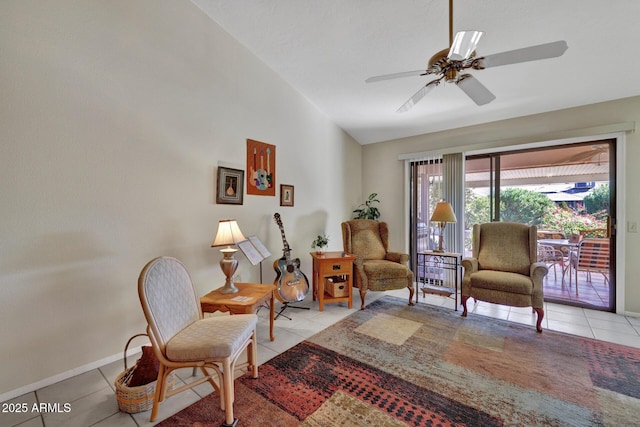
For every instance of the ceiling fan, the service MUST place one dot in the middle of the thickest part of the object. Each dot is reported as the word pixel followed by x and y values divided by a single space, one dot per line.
pixel 593 154
pixel 450 62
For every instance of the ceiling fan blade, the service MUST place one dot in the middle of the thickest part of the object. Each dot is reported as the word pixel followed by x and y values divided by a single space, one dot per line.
pixel 531 53
pixel 464 44
pixel 397 75
pixel 418 96
pixel 475 90
pixel 587 156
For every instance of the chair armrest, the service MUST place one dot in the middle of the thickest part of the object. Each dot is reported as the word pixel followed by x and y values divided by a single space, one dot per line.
pixel 399 257
pixel 538 271
pixel 470 265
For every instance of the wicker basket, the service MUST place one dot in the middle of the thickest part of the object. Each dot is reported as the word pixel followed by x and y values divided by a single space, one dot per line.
pixel 135 399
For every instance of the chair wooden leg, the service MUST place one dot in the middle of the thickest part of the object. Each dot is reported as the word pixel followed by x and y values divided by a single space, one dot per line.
pixel 226 399
pixel 253 352
pixel 411 293
pixel 210 380
pixel 463 300
pixel 159 395
pixel 540 312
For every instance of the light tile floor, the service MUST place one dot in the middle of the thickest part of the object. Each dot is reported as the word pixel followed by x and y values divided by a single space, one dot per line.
pixel 93 403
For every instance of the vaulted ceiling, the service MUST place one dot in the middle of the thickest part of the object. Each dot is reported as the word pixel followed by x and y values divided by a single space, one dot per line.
pixel 327 48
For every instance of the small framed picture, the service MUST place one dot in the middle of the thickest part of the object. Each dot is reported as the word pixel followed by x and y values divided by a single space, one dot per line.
pixel 230 187
pixel 286 195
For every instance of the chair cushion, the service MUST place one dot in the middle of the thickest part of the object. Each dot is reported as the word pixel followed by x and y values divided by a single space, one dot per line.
pixel 380 269
pixel 502 281
pixel 367 242
pixel 214 337
pixel 505 247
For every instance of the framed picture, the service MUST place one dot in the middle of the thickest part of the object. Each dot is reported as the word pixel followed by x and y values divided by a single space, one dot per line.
pixel 286 195
pixel 230 187
pixel 261 168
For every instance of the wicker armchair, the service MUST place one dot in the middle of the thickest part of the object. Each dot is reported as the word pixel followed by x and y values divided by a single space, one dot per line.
pixel 376 268
pixel 504 268
pixel 181 337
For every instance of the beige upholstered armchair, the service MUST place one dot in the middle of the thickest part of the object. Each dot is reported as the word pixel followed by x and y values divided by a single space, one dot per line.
pixel 376 268
pixel 504 268
pixel 181 337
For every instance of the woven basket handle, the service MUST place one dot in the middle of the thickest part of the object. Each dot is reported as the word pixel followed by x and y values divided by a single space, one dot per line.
pixel 126 347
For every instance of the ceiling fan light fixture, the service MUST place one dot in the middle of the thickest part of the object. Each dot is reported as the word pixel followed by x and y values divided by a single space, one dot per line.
pixel 464 44
pixel 451 75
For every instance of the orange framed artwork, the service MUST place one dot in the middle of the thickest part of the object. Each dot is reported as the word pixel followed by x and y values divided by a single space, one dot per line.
pixel 261 168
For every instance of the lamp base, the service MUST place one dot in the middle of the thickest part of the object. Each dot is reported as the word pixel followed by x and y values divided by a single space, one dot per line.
pixel 229 288
pixel 229 264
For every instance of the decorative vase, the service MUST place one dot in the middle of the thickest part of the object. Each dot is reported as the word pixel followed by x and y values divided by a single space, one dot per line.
pixel 319 250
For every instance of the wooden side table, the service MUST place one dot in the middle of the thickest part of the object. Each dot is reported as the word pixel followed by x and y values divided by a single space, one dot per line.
pixel 247 300
pixel 331 264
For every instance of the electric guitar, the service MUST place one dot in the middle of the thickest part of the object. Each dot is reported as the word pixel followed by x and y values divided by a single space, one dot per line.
pixel 291 283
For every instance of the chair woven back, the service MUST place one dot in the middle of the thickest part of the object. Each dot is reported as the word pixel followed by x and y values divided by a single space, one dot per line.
pixel 168 298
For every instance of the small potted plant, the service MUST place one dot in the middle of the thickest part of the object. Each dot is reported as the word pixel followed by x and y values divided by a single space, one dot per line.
pixel 322 240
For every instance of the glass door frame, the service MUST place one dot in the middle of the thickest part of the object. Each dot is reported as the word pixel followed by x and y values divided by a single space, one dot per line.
pixel 617 132
pixel 495 188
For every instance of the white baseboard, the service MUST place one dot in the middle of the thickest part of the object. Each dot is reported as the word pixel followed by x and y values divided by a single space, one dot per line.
pixel 68 374
pixel 631 314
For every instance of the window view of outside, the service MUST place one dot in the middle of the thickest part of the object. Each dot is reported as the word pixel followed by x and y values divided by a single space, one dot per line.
pixel 585 211
pixel 563 190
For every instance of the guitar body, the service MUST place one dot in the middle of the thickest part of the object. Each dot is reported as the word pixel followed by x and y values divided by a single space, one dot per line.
pixel 291 283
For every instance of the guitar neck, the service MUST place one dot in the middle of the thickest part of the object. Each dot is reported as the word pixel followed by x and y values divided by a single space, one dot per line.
pixel 286 251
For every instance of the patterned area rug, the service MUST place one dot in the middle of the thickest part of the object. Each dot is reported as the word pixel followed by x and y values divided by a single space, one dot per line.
pixel 395 365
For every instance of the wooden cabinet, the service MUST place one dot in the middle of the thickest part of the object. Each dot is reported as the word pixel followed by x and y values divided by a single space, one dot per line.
pixel 330 265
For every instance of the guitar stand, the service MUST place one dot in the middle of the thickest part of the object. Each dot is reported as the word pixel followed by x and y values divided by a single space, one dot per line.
pixel 286 305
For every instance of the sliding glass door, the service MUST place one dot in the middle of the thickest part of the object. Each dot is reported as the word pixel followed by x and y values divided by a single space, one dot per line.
pixel 567 192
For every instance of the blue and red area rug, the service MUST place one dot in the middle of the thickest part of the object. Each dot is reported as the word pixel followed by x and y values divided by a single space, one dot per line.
pixel 395 365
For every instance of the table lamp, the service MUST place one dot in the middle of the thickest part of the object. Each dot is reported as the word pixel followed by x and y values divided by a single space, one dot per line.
pixel 228 234
pixel 442 214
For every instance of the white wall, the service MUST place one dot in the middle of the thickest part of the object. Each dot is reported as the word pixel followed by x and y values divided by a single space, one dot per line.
pixel 113 118
pixel 541 127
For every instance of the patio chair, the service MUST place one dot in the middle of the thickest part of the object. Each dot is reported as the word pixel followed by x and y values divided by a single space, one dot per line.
pixel 553 257
pixel 593 256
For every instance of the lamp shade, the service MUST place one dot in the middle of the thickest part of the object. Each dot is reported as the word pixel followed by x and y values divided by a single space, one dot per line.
pixel 228 233
pixel 443 213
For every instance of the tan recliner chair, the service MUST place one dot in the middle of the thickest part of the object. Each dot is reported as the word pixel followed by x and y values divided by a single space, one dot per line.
pixel 376 268
pixel 504 268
